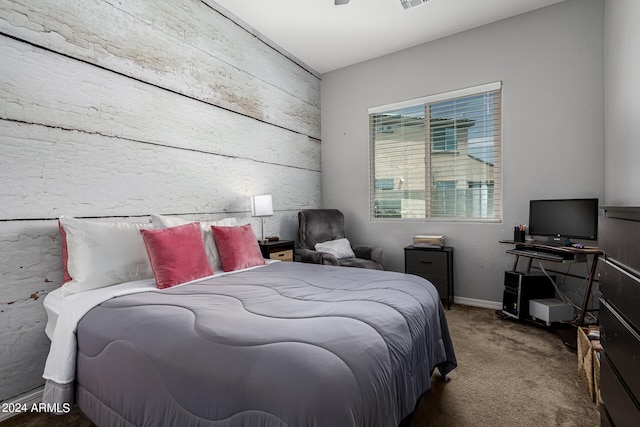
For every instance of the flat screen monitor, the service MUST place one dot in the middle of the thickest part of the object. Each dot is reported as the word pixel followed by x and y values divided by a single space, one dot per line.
pixel 564 218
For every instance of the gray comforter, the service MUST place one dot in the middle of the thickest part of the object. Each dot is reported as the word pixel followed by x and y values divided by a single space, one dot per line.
pixel 288 344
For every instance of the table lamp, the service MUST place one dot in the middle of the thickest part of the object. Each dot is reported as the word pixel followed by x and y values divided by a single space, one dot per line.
pixel 261 206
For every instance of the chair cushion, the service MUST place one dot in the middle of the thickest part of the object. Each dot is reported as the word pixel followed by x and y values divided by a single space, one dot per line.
pixel 340 248
pixel 360 263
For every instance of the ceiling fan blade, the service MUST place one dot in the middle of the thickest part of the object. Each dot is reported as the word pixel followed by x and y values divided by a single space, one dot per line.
pixel 339 2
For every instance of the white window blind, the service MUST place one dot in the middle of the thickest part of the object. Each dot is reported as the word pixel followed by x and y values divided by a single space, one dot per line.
pixel 438 156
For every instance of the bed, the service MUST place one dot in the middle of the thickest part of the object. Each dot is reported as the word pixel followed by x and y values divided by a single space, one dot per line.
pixel 281 344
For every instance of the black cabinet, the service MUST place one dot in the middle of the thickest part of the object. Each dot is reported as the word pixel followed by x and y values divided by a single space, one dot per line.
pixel 619 238
pixel 435 265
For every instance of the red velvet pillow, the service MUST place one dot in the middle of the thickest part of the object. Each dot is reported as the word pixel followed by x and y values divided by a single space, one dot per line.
pixel 177 254
pixel 238 247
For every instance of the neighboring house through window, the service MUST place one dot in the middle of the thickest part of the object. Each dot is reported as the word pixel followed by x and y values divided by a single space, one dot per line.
pixel 438 156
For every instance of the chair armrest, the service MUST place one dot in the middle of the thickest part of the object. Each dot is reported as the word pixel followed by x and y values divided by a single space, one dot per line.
pixel 315 257
pixel 369 252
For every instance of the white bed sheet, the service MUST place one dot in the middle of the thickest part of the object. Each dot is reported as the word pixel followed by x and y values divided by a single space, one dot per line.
pixel 64 313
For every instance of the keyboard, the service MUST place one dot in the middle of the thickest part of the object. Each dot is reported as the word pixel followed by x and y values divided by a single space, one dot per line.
pixel 552 243
pixel 533 253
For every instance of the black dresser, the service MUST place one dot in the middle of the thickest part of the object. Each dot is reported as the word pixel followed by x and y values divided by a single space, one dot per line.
pixel 619 239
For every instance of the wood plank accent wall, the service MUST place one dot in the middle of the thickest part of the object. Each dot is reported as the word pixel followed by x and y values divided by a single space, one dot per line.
pixel 116 110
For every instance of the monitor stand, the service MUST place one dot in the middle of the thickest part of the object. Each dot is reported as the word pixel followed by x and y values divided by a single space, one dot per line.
pixel 557 241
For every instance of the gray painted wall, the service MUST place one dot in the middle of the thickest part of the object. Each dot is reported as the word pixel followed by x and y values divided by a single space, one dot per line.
pixel 550 62
pixel 622 104
pixel 122 109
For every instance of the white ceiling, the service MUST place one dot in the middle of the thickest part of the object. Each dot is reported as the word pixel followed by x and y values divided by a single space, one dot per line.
pixel 326 37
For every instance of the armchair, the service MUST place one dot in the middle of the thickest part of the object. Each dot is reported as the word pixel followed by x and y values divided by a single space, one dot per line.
pixel 327 226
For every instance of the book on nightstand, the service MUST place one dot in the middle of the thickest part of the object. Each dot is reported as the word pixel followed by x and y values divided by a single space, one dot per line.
pixel 428 241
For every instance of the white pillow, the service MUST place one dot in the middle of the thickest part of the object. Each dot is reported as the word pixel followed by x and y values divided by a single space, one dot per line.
pixel 162 221
pixel 340 248
pixel 103 254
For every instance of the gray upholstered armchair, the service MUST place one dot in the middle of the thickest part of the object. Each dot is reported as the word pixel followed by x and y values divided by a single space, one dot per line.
pixel 326 226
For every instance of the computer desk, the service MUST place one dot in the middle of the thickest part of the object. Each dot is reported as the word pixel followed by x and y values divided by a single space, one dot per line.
pixel 562 254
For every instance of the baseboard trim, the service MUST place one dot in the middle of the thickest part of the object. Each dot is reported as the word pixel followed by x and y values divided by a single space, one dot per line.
pixel 494 305
pixel 27 399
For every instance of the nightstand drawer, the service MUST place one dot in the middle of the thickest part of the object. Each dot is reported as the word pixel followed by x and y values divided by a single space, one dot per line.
pixel 286 255
pixel 283 250
pixel 426 262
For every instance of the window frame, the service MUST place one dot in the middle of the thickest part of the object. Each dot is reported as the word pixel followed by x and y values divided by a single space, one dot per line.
pixel 488 185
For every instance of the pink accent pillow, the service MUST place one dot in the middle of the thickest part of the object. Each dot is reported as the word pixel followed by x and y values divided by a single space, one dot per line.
pixel 238 247
pixel 65 255
pixel 177 254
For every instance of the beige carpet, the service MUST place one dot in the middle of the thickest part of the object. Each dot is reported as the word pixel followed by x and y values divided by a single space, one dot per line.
pixel 509 374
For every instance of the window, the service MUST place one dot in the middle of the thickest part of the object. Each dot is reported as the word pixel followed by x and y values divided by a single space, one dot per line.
pixel 444 139
pixel 438 156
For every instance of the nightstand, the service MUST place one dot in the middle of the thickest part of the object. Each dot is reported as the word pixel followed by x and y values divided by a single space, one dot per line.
pixel 435 265
pixel 280 249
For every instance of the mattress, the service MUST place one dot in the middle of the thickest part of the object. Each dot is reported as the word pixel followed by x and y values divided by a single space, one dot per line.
pixel 287 344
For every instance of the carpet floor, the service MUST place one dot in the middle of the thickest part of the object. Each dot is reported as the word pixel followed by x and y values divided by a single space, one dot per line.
pixel 509 374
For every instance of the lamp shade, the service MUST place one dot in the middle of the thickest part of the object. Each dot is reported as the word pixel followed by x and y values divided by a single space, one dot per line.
pixel 261 205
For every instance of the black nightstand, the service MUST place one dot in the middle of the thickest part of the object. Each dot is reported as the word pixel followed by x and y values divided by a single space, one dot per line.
pixel 280 249
pixel 435 265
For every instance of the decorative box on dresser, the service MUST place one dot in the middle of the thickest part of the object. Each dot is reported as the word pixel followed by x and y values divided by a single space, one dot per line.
pixel 434 264
pixel 619 238
pixel 278 249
